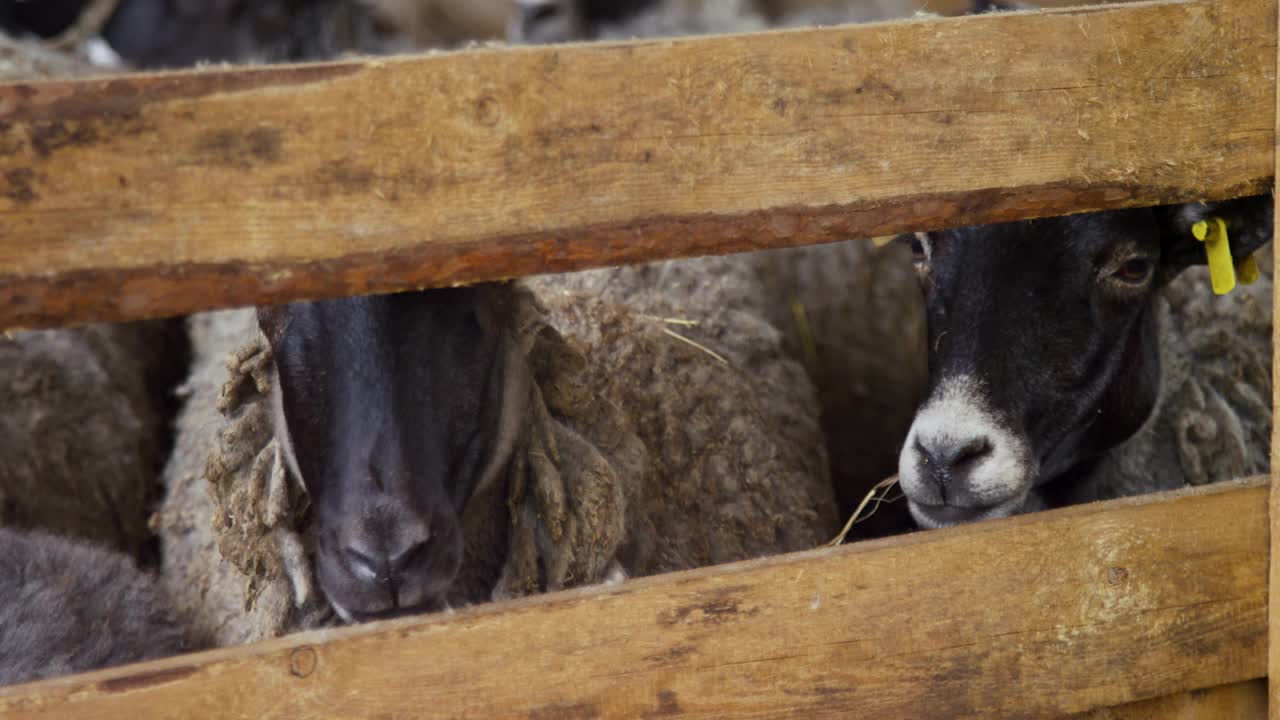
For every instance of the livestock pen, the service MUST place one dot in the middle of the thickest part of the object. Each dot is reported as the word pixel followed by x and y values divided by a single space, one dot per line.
pixel 160 194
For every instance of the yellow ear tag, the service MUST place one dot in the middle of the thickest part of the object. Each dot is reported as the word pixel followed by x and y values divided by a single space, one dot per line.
pixel 1247 271
pixel 1222 269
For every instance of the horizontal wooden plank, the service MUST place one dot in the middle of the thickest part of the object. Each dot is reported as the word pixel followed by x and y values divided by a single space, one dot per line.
pixel 1238 701
pixel 160 194
pixel 1036 616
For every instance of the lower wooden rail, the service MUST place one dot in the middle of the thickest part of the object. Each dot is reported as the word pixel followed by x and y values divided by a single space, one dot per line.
pixel 1038 616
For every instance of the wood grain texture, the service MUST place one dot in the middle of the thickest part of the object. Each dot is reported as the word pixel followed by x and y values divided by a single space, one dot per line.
pixel 1032 617
pixel 1238 701
pixel 161 194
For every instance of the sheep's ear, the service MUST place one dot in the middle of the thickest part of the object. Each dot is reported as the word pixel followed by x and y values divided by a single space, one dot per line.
pixel 1249 228
pixel 271 321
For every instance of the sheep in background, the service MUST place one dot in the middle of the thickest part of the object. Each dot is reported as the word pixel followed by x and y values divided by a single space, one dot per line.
pixel 607 442
pixel 849 311
pixel 83 429
pixel 83 432
pixel 69 607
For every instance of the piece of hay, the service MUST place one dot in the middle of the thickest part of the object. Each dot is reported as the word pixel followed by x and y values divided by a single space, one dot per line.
pixel 879 493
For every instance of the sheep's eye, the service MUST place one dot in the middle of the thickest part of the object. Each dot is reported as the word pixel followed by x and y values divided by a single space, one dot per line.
pixel 1134 272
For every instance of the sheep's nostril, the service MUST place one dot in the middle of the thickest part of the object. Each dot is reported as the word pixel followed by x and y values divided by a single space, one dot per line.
pixel 973 450
pixel 947 460
pixel 363 565
pixel 414 553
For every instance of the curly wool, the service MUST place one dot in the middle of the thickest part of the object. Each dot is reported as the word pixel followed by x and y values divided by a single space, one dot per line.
pixel 1212 419
pixel 850 312
pixel 216 603
pixel 642 452
pixel 82 430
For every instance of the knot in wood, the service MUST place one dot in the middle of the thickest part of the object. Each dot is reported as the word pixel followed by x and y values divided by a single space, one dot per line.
pixel 1116 575
pixel 488 111
pixel 302 662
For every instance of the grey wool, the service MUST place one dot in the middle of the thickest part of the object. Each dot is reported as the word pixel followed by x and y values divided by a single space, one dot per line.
pixel 1212 419
pixel 71 606
pixel 82 433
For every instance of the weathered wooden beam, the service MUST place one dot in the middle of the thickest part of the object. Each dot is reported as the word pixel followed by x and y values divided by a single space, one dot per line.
pixel 1033 617
pixel 160 194
pixel 1238 701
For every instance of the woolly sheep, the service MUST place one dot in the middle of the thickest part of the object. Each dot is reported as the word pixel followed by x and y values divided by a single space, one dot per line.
pixel 68 606
pixel 642 449
pixel 851 312
pixel 82 433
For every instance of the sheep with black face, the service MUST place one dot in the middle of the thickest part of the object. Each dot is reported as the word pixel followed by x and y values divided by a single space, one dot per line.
pixel 393 411
pixel 405 453
pixel 1072 358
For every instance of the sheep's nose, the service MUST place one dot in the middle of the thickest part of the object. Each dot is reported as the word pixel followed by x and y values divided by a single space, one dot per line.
pixel 382 561
pixel 947 460
pixel 367 565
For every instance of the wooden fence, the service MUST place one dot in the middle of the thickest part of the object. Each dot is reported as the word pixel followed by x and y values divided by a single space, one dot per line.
pixel 149 195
